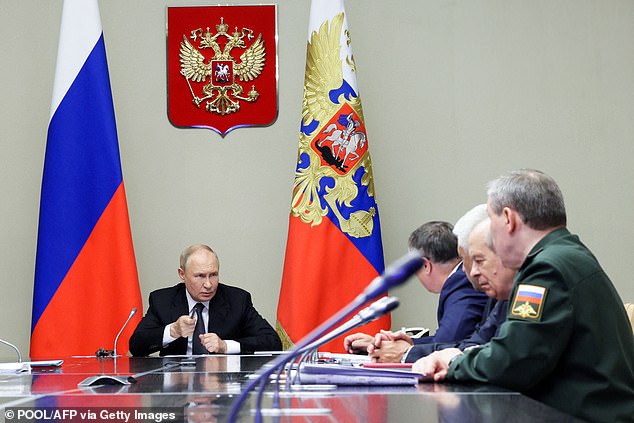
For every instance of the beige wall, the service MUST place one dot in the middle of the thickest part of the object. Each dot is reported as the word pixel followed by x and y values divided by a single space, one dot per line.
pixel 454 93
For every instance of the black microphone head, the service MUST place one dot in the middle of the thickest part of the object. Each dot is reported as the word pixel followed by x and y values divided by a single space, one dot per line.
pixel 386 304
pixel 397 273
pixel 377 309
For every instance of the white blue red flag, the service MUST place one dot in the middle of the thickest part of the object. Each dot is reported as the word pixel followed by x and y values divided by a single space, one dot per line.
pixel 334 244
pixel 86 279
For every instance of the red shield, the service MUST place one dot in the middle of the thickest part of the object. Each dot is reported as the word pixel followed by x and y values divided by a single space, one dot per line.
pixel 222 66
pixel 342 142
pixel 222 72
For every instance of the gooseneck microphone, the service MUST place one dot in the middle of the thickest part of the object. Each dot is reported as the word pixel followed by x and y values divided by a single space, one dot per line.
pixel 375 310
pixel 14 347
pixel 393 276
pixel 372 312
pixel 397 273
pixel 132 313
pixel 110 379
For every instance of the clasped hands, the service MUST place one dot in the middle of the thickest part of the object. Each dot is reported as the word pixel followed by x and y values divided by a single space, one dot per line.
pixel 389 347
pixel 184 327
pixel 384 347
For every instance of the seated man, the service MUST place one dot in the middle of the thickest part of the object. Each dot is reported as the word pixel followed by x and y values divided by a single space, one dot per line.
pixel 566 340
pixel 495 280
pixel 460 306
pixel 225 322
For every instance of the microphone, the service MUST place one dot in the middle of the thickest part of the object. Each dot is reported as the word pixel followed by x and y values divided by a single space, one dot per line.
pixel 393 276
pixel 53 363
pixel 375 310
pixel 372 312
pixel 110 379
pixel 102 352
pixel 132 313
pixel 14 347
pixel 397 273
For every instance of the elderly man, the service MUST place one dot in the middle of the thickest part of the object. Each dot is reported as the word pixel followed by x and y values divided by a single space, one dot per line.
pixel 460 307
pixel 495 280
pixel 462 229
pixel 392 347
pixel 202 315
pixel 566 341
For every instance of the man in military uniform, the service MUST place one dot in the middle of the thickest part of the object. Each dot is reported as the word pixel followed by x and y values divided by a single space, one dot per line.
pixel 566 341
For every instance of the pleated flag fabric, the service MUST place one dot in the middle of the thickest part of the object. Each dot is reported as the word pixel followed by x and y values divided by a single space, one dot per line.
pixel 86 280
pixel 334 244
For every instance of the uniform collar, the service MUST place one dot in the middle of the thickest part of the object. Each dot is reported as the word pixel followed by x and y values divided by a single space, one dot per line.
pixel 552 236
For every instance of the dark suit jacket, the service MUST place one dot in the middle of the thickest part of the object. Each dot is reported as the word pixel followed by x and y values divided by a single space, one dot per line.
pixel 460 309
pixel 231 316
pixel 489 327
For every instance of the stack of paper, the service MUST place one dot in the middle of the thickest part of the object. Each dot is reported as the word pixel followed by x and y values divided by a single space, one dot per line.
pixel 352 375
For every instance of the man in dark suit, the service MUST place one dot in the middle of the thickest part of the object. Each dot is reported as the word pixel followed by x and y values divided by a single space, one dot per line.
pixel 495 280
pixel 226 321
pixel 460 306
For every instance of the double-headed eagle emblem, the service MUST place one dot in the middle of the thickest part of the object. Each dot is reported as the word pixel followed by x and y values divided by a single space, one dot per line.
pixel 223 92
pixel 332 141
pixel 525 310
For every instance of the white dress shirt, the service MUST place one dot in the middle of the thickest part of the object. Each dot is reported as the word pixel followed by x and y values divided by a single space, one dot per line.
pixel 233 347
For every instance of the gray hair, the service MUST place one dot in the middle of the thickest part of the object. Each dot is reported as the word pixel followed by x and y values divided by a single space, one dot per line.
pixel 465 225
pixel 187 252
pixel 534 195
pixel 489 239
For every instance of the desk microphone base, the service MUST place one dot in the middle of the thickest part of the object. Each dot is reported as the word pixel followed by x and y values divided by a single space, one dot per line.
pixel 107 380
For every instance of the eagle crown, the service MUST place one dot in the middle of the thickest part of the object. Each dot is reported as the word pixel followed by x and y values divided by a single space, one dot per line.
pixel 235 40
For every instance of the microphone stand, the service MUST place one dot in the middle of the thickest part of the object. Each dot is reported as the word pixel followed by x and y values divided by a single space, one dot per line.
pixel 395 275
pixel 14 347
pixel 110 379
pixel 116 339
pixel 367 315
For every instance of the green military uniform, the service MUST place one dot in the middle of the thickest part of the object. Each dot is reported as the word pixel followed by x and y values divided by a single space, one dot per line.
pixel 566 341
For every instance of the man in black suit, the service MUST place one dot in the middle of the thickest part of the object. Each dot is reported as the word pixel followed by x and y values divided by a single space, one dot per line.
pixel 231 324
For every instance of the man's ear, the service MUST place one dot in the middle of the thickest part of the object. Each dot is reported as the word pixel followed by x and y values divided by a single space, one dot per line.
pixel 181 274
pixel 510 219
pixel 428 266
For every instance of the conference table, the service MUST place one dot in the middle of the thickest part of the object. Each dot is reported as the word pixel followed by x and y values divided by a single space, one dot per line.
pixel 203 389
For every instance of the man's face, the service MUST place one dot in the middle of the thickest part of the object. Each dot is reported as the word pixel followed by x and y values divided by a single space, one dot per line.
pixel 466 267
pixel 201 275
pixel 494 279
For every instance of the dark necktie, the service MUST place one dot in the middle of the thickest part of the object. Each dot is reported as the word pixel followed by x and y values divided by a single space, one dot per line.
pixel 197 347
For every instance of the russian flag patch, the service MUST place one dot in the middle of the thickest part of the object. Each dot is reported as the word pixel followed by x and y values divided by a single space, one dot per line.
pixel 528 301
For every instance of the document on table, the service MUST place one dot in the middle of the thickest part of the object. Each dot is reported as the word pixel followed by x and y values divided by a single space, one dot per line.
pixel 353 375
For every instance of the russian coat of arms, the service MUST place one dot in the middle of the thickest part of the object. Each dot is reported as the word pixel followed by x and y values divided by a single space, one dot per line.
pixel 222 66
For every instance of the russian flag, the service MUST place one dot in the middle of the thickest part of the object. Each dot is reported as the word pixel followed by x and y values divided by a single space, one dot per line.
pixel 86 280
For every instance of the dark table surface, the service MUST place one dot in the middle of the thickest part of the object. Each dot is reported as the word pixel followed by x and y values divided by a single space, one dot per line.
pixel 204 389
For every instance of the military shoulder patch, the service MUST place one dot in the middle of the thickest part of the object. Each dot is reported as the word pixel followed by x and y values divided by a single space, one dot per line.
pixel 528 301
